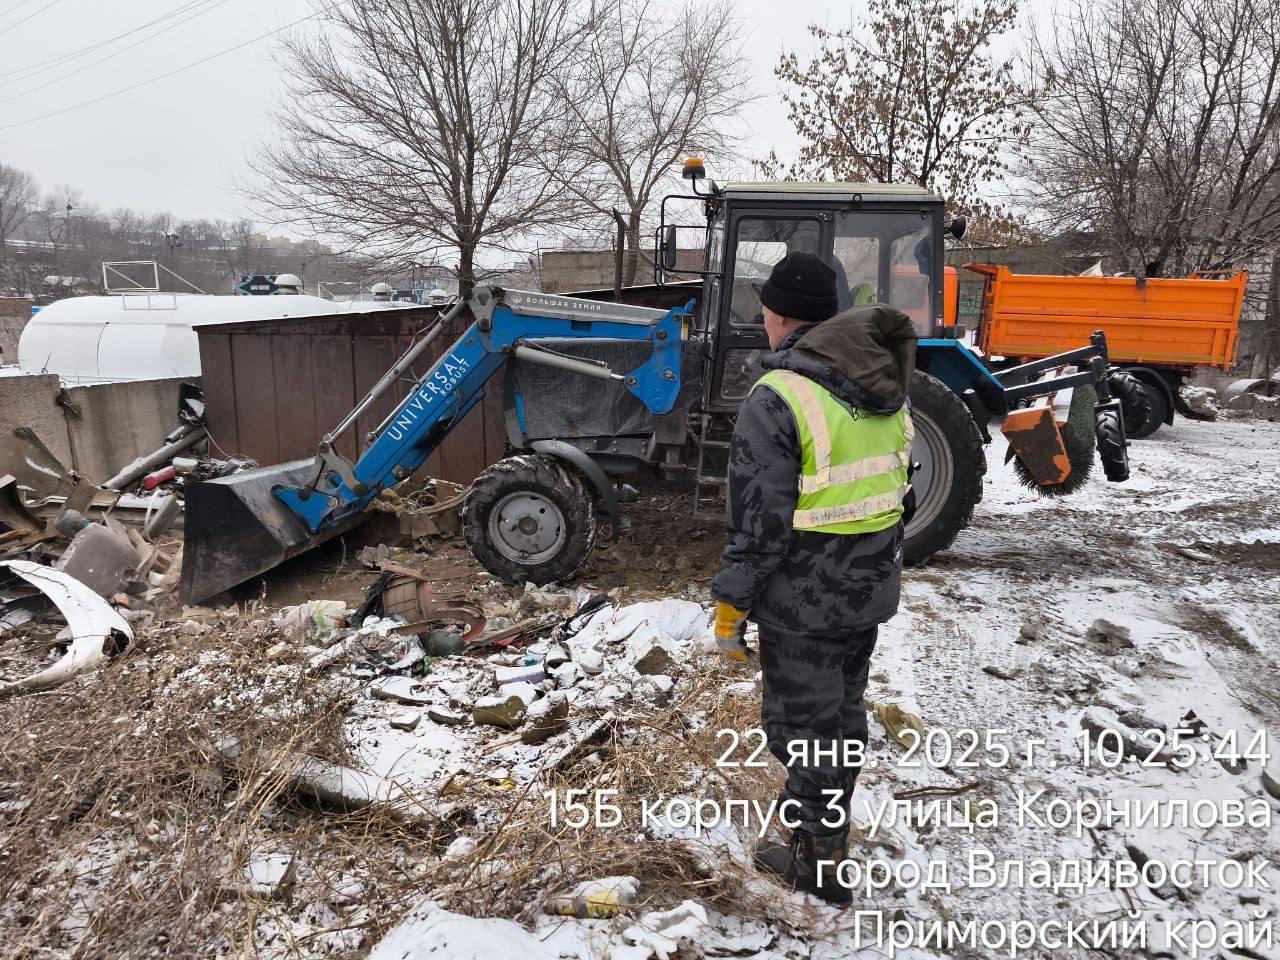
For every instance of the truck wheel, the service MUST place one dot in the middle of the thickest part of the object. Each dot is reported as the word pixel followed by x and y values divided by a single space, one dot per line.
pixel 530 518
pixel 948 482
pixel 1159 409
pixel 1133 399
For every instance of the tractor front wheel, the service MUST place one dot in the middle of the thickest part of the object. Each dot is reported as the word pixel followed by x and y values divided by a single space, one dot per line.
pixel 530 518
pixel 948 480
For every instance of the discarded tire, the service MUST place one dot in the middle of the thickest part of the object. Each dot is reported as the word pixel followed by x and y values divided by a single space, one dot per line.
pixel 529 518
pixel 1127 388
pixel 948 481
pixel 1159 410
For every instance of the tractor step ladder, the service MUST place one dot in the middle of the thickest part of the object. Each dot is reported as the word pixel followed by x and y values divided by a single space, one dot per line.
pixel 713 463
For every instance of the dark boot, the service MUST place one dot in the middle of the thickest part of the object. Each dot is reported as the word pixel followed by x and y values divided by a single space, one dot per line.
pixel 796 863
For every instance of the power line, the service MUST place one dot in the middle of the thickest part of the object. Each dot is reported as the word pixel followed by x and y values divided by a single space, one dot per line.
pixel 18 23
pixel 9 10
pixel 52 64
pixel 164 76
pixel 199 11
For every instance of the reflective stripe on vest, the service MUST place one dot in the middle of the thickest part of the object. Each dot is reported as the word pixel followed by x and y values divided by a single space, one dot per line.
pixel 853 465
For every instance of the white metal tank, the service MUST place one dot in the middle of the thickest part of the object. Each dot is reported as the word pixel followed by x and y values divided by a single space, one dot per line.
pixel 146 336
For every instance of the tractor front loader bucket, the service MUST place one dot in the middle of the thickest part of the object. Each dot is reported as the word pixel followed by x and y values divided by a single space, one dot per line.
pixel 235 528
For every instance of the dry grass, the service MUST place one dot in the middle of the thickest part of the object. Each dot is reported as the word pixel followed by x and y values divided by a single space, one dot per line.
pixel 131 833
pixel 647 756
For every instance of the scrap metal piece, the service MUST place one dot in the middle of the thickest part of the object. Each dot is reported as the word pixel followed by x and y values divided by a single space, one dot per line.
pixel 23 527
pixel 95 629
pixel 410 596
pixel 186 436
pixel 1034 438
pixel 37 470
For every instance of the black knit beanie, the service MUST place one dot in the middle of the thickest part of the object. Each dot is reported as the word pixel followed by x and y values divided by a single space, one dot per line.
pixel 801 287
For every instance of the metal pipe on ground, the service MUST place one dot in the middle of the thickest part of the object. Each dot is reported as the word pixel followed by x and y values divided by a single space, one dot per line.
pixel 148 463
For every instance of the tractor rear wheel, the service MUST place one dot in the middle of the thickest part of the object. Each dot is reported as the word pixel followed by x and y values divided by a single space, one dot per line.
pixel 948 481
pixel 530 518
pixel 1159 409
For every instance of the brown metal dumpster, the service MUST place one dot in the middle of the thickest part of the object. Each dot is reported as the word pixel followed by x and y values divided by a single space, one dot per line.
pixel 274 387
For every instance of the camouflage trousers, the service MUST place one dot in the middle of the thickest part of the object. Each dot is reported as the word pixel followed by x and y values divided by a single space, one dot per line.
pixel 813 688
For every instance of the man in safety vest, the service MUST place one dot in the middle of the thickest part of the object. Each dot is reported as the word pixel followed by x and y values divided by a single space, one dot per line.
pixel 818 474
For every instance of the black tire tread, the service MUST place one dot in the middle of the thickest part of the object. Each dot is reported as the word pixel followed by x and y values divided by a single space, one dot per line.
pixel 933 398
pixel 1112 449
pixel 1156 417
pixel 1134 401
pixel 551 478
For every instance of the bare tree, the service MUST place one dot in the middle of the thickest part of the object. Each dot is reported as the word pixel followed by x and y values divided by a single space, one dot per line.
pixel 649 87
pixel 59 227
pixel 18 195
pixel 1159 129
pixel 912 94
pixel 418 127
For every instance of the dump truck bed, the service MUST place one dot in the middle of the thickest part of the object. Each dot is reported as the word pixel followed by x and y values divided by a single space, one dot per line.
pixel 1183 323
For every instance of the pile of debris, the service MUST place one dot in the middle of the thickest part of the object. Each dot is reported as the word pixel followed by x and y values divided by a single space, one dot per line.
pixel 97 555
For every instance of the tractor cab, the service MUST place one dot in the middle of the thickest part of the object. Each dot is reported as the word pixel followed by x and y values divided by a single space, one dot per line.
pixel 884 241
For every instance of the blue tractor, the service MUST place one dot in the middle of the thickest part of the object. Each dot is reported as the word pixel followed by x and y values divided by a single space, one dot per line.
pixel 597 392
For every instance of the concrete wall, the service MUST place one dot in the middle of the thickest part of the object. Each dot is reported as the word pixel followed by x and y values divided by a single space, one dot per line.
pixel 31 400
pixel 111 423
pixel 119 422
pixel 565 270
pixel 14 314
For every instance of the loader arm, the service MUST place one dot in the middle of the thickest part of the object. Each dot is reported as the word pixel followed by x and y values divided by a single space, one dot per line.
pixel 242 525
pixel 507 324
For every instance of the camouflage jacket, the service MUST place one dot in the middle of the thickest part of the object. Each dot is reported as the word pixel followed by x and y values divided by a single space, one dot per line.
pixel 803 580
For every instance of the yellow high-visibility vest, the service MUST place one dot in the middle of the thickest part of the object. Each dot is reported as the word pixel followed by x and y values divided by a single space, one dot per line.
pixel 854 462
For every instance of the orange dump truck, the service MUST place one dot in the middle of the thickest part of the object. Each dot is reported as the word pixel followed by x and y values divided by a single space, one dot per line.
pixel 1158 331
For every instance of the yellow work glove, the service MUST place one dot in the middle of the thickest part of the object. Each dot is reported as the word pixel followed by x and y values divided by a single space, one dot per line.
pixel 731 630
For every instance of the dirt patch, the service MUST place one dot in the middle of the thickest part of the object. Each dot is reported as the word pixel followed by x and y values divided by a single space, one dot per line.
pixel 663 549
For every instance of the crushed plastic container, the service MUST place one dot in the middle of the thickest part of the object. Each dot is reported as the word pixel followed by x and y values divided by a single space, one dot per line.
pixel 101 559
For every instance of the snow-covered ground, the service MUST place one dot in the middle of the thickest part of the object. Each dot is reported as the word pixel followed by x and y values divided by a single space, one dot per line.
pixel 1036 655
pixel 1142 608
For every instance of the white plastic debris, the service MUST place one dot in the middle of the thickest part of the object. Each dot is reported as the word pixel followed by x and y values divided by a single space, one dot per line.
pixel 605 897
pixel 681 620
pixel 92 626
pixel 312 619
pixel 523 673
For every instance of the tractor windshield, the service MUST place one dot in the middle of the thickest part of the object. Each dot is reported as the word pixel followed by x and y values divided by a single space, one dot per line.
pixel 879 256
pixel 884 257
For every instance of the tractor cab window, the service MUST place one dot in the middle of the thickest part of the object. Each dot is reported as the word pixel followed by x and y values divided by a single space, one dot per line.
pixel 857 265
pixel 885 257
pixel 909 270
pixel 761 243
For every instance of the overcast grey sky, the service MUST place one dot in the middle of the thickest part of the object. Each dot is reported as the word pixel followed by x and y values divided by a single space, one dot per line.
pixel 179 143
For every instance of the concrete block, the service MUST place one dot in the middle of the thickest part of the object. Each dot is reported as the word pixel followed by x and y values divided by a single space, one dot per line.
pixel 120 422
pixel 31 400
